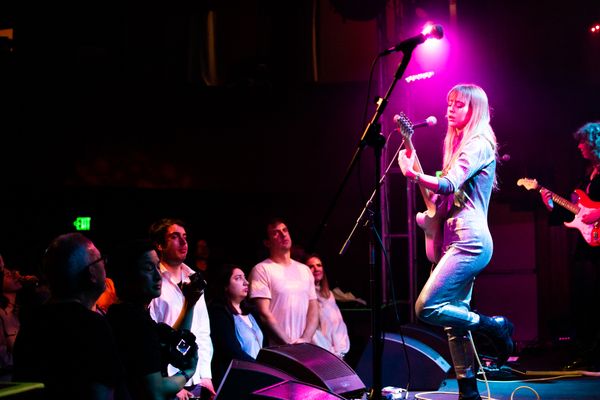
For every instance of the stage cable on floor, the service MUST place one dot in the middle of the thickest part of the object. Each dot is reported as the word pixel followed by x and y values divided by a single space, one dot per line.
pixel 481 369
pixel 487 384
pixel 537 396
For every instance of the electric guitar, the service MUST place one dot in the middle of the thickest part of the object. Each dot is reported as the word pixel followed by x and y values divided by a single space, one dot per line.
pixel 590 232
pixel 429 220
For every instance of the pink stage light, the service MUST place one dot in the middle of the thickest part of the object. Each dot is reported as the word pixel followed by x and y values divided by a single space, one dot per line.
pixel 418 77
pixel 595 28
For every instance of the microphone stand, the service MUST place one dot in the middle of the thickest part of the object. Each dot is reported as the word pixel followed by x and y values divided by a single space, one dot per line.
pixel 368 204
pixel 372 137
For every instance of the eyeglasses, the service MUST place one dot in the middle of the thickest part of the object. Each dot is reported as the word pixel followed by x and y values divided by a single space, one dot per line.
pixel 102 258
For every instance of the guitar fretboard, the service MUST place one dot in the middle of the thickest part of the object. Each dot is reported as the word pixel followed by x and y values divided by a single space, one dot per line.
pixel 561 201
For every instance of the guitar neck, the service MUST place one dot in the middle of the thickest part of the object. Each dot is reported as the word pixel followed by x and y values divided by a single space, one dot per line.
pixel 426 193
pixel 561 201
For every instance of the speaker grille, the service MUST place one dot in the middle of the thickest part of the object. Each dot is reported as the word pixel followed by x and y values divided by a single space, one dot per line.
pixel 291 390
pixel 305 355
pixel 313 364
pixel 243 377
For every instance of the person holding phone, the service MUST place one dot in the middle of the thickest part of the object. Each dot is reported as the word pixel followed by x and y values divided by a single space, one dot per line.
pixel 139 338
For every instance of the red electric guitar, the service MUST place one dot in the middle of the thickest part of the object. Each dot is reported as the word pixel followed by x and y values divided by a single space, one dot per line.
pixel 590 232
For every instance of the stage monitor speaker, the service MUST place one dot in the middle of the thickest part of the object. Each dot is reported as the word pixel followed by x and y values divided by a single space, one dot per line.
pixel 313 364
pixel 293 390
pixel 243 378
pixel 432 336
pixel 427 368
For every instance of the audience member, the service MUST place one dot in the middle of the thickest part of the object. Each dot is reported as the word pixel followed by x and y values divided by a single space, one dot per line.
pixel 9 317
pixel 108 297
pixel 331 333
pixel 18 295
pixel 170 240
pixel 135 269
pixel 64 344
pixel 284 290
pixel 201 256
pixel 234 331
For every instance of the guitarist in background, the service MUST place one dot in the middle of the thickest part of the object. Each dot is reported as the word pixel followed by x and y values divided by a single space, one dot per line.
pixel 462 195
pixel 586 260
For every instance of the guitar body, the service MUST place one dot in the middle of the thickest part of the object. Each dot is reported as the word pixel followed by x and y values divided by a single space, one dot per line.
pixel 431 223
pixel 590 232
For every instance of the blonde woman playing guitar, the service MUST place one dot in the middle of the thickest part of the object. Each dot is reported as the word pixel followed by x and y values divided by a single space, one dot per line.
pixel 464 192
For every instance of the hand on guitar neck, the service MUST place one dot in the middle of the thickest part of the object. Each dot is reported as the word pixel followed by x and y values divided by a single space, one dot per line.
pixel 547 198
pixel 411 166
pixel 431 219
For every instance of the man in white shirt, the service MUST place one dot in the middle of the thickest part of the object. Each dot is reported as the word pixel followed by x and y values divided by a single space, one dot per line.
pixel 170 239
pixel 284 290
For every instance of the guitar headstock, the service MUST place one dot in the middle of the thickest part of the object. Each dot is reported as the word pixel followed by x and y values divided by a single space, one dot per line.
pixel 405 125
pixel 529 184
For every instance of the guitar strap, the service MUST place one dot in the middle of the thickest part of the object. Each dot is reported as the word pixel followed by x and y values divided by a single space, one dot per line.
pixel 595 172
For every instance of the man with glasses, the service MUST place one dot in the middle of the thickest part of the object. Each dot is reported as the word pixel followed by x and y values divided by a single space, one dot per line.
pixel 64 344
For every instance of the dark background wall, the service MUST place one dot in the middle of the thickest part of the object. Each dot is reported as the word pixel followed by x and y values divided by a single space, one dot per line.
pixel 112 110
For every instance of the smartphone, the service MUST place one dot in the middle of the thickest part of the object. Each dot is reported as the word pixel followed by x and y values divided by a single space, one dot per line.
pixel 183 347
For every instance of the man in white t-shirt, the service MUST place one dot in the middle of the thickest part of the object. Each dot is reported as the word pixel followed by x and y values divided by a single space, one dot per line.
pixel 284 290
pixel 170 239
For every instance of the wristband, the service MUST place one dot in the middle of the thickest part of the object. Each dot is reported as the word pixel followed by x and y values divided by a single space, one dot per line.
pixel 185 375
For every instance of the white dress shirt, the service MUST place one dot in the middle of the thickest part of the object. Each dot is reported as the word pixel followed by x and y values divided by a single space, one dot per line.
pixel 167 308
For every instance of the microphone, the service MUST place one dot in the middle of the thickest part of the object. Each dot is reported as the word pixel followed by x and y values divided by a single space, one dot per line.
pixel 435 32
pixel 429 121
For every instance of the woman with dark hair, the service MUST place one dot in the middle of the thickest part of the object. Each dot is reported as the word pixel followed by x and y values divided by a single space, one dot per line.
pixel 137 280
pixel 233 329
pixel 332 333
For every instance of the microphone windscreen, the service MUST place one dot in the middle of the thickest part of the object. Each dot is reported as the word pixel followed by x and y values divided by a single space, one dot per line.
pixel 437 31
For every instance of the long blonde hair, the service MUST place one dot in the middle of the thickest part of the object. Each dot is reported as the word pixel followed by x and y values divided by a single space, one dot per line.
pixel 479 123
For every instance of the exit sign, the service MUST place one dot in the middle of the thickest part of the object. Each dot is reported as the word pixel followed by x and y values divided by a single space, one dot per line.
pixel 83 223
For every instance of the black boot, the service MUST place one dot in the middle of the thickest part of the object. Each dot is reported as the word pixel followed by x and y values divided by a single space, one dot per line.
pixel 499 330
pixel 467 389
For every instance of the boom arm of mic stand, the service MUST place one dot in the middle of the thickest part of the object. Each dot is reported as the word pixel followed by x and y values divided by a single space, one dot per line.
pixel 370 133
pixel 368 203
pixel 370 136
